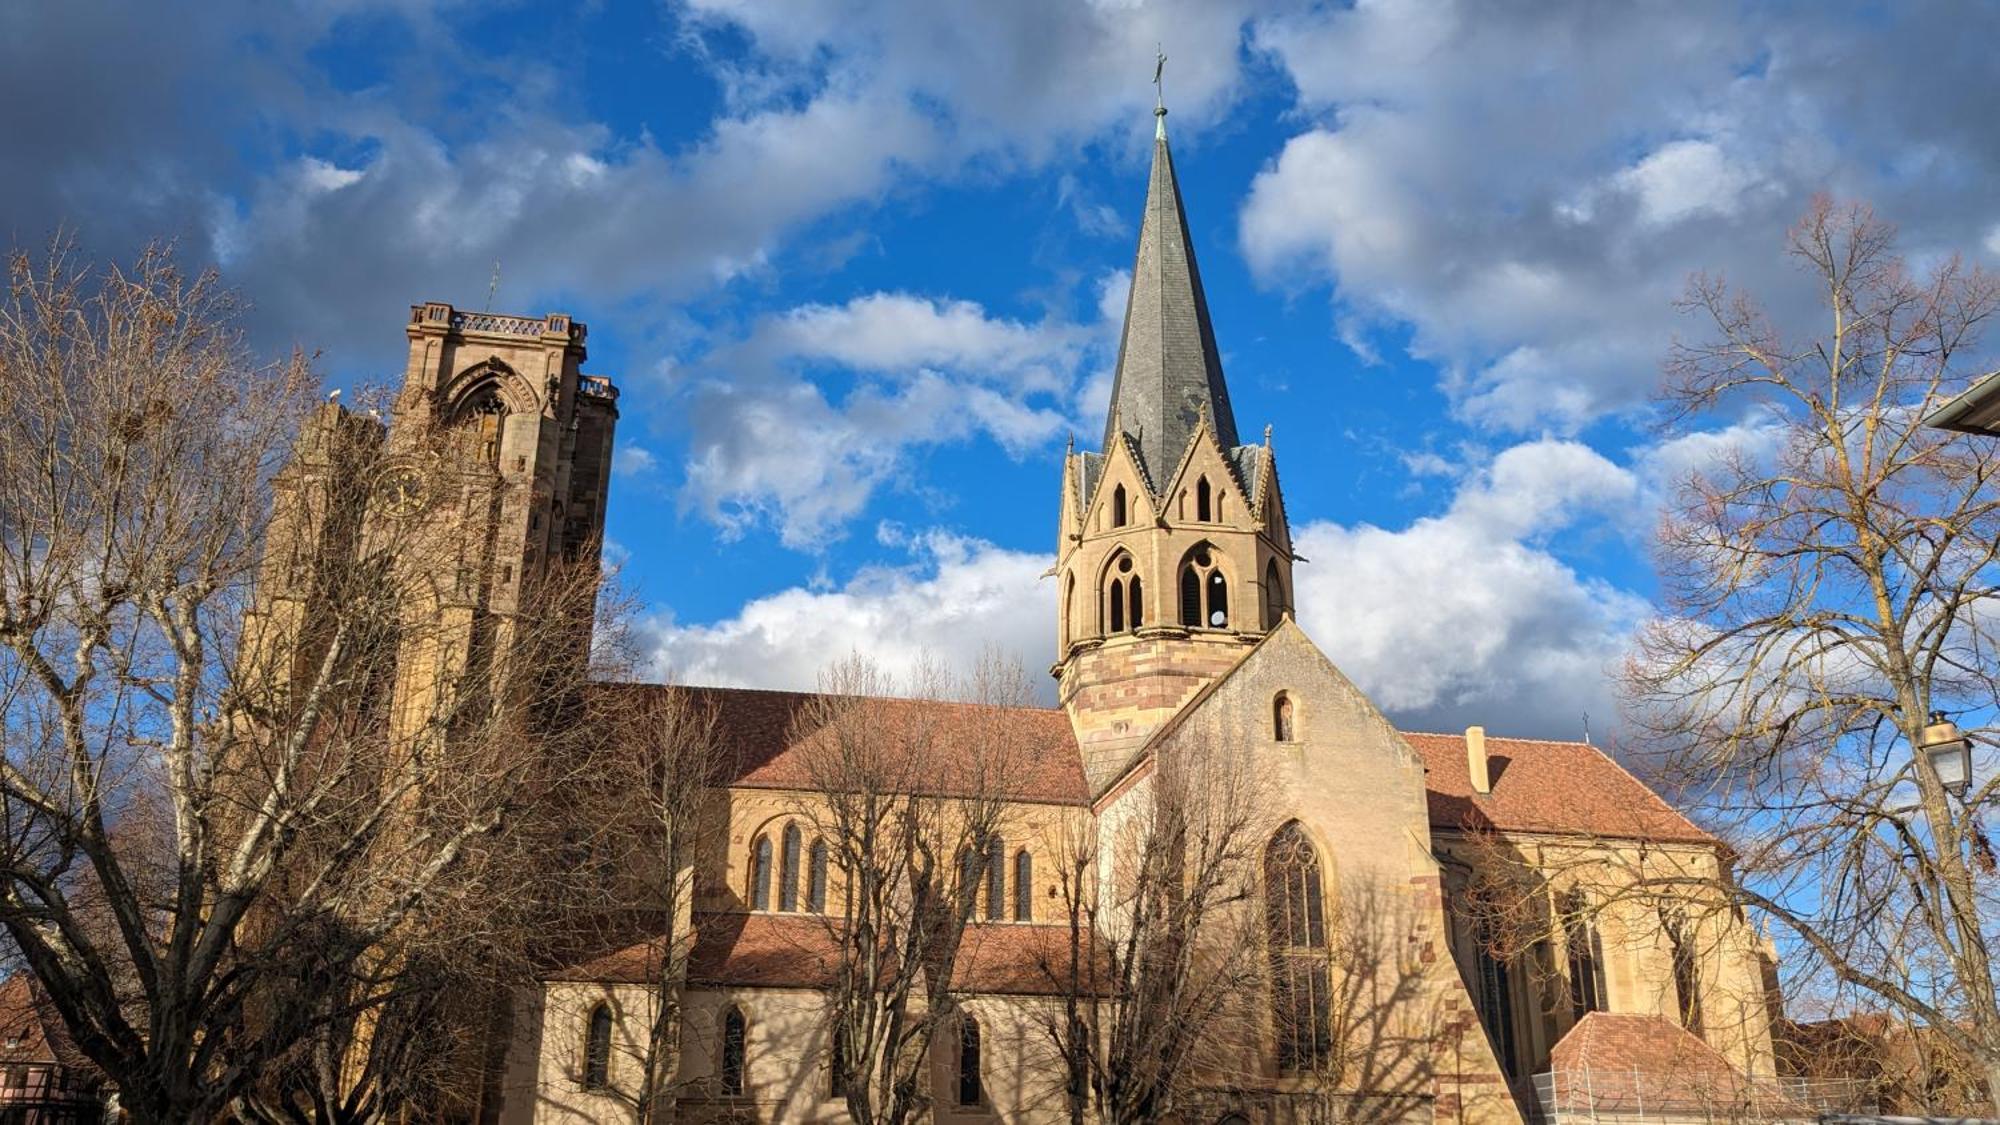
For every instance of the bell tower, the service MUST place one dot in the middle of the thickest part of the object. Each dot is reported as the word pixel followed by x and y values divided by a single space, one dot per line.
pixel 495 470
pixel 1173 553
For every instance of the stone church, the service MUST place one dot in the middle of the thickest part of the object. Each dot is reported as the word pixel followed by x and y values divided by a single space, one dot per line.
pixel 1174 587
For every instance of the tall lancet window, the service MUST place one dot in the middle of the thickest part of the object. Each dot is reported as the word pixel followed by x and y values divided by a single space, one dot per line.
pixel 734 1062
pixel 1586 957
pixel 816 879
pixel 1204 590
pixel 1203 510
pixel 1118 512
pixel 1122 606
pixel 996 878
pixel 1494 997
pixel 1687 969
pixel 597 1049
pixel 760 874
pixel 1068 608
pixel 788 870
pixel 1275 604
pixel 1295 923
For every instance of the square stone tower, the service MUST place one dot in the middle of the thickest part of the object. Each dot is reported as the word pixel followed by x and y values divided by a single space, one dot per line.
pixel 485 490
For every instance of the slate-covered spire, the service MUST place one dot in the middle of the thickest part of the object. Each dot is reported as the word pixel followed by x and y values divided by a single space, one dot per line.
pixel 1169 373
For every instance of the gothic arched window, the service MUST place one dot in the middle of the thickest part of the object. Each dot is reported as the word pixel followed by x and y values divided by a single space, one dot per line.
pixel 760 874
pixel 735 1035
pixel 1495 995
pixel 1295 924
pixel 1204 590
pixel 1118 512
pixel 1281 717
pixel 1202 512
pixel 996 879
pixel 788 870
pixel 597 1048
pixel 1274 596
pixel 970 1089
pixel 968 878
pixel 1687 969
pixel 1586 958
pixel 1024 886
pixel 483 413
pixel 816 878
pixel 1121 596
pixel 1068 608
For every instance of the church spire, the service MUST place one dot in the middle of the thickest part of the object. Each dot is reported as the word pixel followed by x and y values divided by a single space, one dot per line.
pixel 1169 372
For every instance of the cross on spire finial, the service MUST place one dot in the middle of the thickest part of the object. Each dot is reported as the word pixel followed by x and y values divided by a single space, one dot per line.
pixel 1159 92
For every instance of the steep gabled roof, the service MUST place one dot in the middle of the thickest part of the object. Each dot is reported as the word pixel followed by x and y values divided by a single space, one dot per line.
pixel 1558 788
pixel 1564 788
pixel 1169 372
pixel 1634 1064
pixel 1030 750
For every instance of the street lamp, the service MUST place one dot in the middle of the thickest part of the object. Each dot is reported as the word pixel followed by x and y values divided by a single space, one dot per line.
pixel 1949 753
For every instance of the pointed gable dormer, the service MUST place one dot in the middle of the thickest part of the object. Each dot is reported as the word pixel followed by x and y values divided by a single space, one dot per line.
pixel 1172 556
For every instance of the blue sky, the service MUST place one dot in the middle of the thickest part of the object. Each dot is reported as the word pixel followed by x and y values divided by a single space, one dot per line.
pixel 858 268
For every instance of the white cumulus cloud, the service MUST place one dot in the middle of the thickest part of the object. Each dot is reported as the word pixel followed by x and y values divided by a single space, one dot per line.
pixel 955 598
pixel 1469 616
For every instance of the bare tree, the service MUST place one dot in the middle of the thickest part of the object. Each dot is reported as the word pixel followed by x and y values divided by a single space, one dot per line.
pixel 657 788
pixel 1167 954
pixel 906 793
pixel 1828 585
pixel 223 817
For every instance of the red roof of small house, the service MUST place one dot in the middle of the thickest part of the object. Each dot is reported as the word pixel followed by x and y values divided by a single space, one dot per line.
pixel 802 951
pixel 1561 788
pixel 1623 1063
pixel 30 1029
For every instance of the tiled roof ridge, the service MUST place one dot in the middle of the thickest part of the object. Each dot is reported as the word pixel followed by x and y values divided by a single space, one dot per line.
pixel 1491 737
pixel 1033 708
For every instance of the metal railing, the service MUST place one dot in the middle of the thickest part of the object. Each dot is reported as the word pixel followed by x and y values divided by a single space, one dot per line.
pixel 1600 1095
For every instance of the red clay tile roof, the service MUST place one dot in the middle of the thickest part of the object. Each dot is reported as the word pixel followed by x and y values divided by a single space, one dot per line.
pixel 1621 1063
pixel 1538 786
pixel 799 951
pixel 1034 748
pixel 1553 787
pixel 30 1029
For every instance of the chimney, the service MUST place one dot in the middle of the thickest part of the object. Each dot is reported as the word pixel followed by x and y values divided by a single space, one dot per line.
pixel 1475 759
